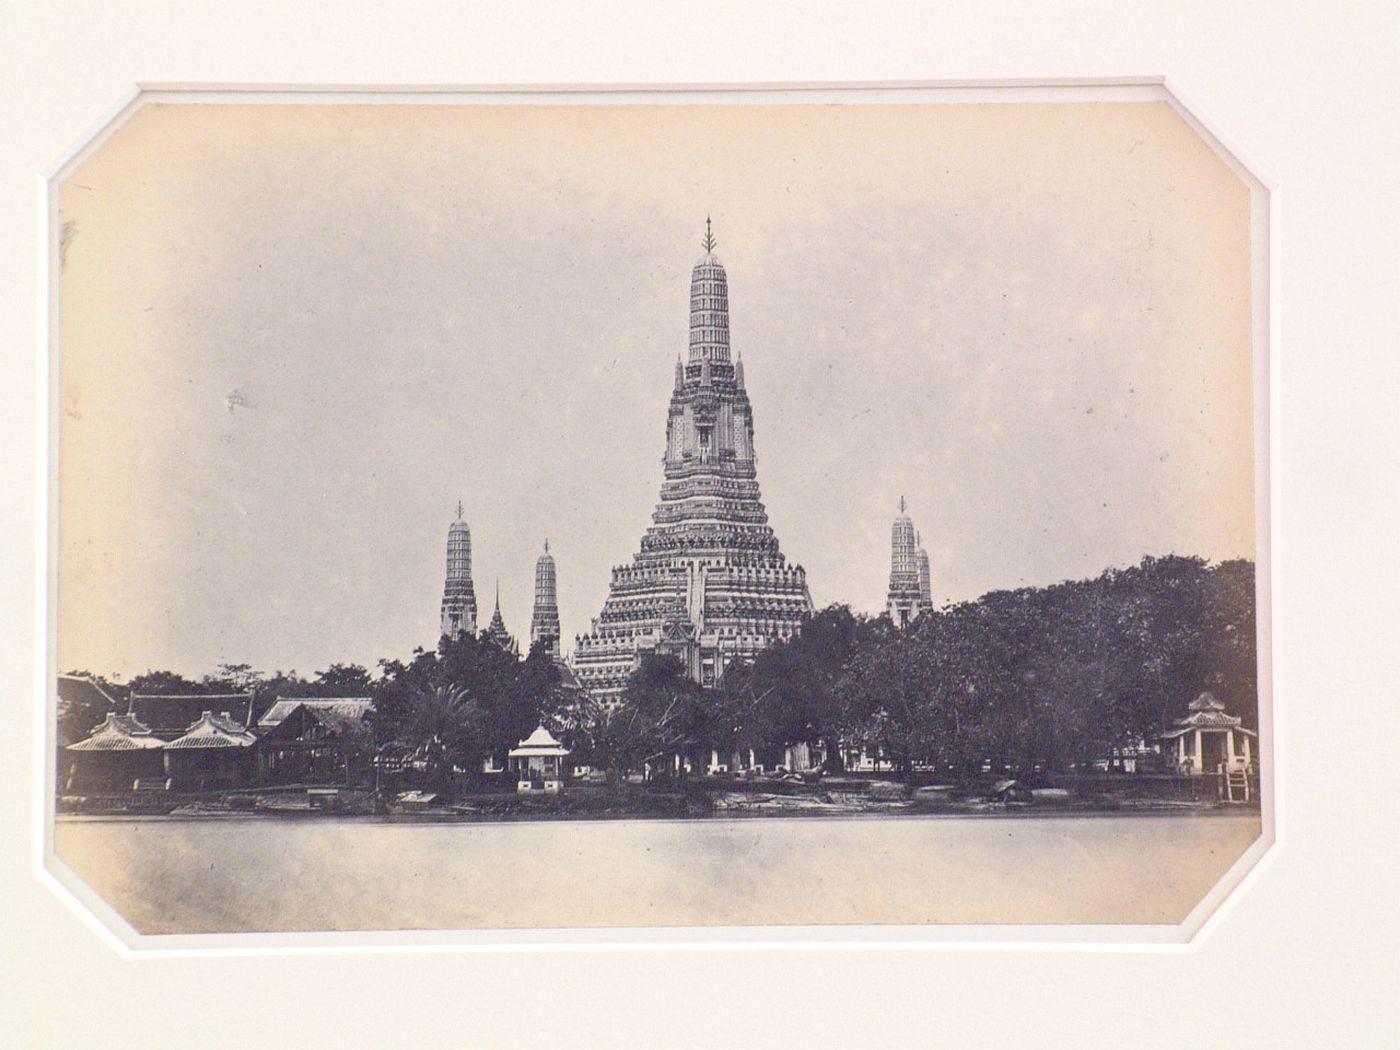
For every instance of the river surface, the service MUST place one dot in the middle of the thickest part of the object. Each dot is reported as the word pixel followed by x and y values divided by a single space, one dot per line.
pixel 226 875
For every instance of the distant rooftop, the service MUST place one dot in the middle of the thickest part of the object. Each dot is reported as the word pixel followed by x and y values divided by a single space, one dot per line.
pixel 352 707
pixel 211 731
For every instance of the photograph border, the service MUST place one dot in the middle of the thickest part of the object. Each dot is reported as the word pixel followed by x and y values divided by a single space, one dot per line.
pixel 1264 218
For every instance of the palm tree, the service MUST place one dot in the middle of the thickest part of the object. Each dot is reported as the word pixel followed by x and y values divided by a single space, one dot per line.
pixel 441 728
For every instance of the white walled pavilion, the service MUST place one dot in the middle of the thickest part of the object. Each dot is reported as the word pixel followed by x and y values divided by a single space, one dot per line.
pixel 538 763
pixel 1208 741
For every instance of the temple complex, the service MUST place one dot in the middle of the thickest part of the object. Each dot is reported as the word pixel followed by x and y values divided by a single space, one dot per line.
pixel 544 622
pixel 458 596
pixel 911 584
pixel 709 585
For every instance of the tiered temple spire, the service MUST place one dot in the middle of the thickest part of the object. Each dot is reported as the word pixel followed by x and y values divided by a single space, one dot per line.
pixel 911 584
pixel 544 623
pixel 496 630
pixel 709 585
pixel 709 306
pixel 458 595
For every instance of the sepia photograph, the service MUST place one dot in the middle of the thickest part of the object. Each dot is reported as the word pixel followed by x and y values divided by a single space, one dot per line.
pixel 530 514
pixel 622 525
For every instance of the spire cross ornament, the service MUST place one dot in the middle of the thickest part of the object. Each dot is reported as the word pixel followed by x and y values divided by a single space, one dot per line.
pixel 709 242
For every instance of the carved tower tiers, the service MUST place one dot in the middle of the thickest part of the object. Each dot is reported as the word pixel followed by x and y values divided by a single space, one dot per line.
pixel 544 622
pixel 458 596
pixel 911 584
pixel 709 585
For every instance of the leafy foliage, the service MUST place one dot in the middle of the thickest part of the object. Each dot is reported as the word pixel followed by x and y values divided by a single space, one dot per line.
pixel 167 683
pixel 497 699
pixel 1036 678
pixel 1050 677
pixel 662 712
pixel 790 693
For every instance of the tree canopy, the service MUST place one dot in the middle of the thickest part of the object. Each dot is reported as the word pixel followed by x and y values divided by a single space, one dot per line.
pixel 1034 678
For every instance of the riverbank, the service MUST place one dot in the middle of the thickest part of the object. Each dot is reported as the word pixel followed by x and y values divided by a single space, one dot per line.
pixel 696 797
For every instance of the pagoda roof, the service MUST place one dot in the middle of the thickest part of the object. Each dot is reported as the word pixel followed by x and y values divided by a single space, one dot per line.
pixel 1215 719
pixel 1206 713
pixel 118 733
pixel 1206 701
pixel 214 731
pixel 540 742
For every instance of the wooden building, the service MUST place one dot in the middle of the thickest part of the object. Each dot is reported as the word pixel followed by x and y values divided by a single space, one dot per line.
pixel 315 741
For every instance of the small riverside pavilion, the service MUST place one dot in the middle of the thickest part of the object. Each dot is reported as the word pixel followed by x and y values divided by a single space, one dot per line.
pixel 538 763
pixel 119 752
pixel 215 752
pixel 1209 742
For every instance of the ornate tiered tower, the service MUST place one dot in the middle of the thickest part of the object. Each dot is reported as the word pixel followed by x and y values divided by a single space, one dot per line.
pixel 911 586
pixel 544 623
pixel 925 574
pixel 709 585
pixel 458 597
pixel 496 629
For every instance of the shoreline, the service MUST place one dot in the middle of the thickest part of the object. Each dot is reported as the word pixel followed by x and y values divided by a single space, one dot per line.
pixel 441 819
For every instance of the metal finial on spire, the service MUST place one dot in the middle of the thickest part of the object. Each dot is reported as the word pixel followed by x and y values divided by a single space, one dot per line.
pixel 546 544
pixel 709 242
pixel 901 505
pixel 459 510
pixel 498 595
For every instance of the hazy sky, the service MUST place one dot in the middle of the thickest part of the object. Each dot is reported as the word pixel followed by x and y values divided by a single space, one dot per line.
pixel 293 337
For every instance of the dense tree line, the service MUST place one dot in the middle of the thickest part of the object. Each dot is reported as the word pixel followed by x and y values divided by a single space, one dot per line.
pixel 1036 678
pixel 1032 679
pixel 1048 678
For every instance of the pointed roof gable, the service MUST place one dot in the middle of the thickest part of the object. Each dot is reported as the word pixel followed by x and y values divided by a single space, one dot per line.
pixel 214 731
pixel 496 630
pixel 1206 701
pixel 340 708
pixel 1206 713
pixel 498 622
pixel 118 733
pixel 77 688
pixel 540 742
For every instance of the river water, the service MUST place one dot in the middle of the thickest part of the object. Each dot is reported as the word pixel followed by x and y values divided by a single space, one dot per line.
pixel 171 875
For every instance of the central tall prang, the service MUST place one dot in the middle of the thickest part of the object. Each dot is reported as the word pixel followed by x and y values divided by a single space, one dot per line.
pixel 710 585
